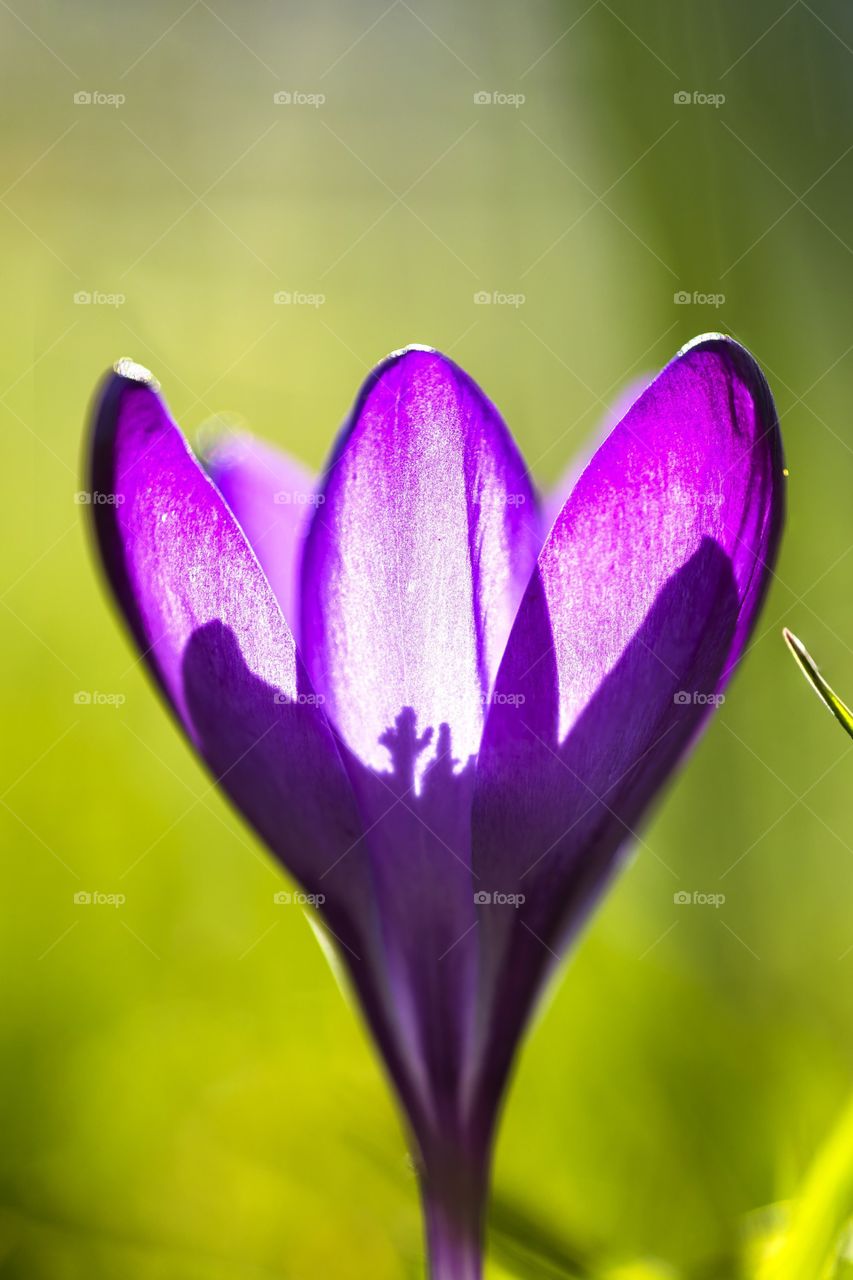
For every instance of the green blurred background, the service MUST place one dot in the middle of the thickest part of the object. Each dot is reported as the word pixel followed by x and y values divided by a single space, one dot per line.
pixel 183 1091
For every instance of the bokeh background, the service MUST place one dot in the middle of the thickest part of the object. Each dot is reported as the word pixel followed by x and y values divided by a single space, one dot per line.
pixel 184 1093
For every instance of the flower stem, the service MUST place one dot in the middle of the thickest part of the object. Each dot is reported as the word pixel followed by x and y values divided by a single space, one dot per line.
pixel 454 1196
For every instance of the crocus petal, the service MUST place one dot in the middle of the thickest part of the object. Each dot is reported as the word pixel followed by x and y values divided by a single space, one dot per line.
pixel 272 496
pixel 416 561
pixel 413 568
pixel 210 629
pixel 643 599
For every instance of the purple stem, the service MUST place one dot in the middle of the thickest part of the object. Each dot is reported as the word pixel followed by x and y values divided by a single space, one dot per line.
pixel 453 1190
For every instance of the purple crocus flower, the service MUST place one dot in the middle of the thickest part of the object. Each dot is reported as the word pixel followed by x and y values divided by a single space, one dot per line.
pixel 443 718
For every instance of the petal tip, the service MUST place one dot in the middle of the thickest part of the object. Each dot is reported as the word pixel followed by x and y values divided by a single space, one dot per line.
pixel 724 344
pixel 729 348
pixel 406 366
pixel 702 338
pixel 410 347
pixel 125 367
pixel 743 363
pixel 413 352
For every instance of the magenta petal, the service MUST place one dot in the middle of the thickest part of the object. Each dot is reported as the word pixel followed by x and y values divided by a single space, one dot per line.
pixel 272 496
pixel 417 559
pixel 176 557
pixel 209 627
pixel 644 597
pixel 206 621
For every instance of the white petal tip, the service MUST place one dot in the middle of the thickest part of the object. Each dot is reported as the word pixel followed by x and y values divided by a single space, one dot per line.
pixel 412 346
pixel 704 337
pixel 127 368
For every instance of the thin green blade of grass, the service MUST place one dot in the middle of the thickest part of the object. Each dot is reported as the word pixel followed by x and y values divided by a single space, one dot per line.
pixel 824 691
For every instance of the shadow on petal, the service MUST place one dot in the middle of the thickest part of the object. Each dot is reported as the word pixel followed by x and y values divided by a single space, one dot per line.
pixel 552 819
pixel 418 833
pixel 277 760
